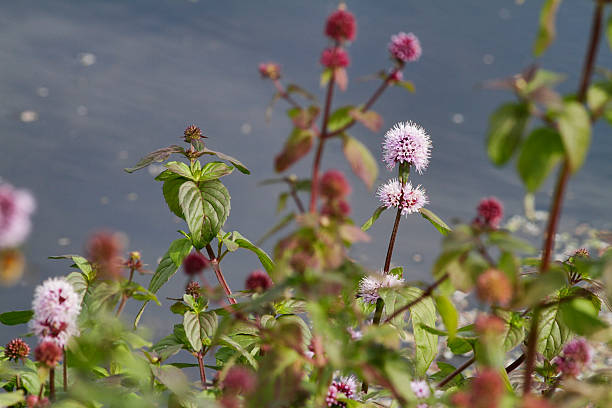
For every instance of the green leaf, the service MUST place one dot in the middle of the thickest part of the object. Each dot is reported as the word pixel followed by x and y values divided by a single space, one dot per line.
pixel 407 85
pixel 236 346
pixel 214 170
pixel 361 160
pixel 265 260
pixel 426 343
pixel 235 162
pixel 575 129
pixel 293 88
pixel 325 76
pixel 170 189
pixel 11 398
pixel 297 146
pixel 508 242
pixel 81 263
pixel 609 31
pixel 580 315
pixel 181 169
pixel 79 283
pixel 449 315
pixel 539 154
pixel 514 331
pixel 368 224
pixel 506 127
pixel 158 155
pixel 541 286
pixel 206 207
pixel 435 221
pixel 552 332
pixel 16 317
pixel 446 370
pixel 340 118
pixel 304 118
pixel 546 32
pixel 191 323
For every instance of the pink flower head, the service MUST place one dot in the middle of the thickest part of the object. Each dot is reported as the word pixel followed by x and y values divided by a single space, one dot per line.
pixel 396 75
pixel 407 142
pixel 340 26
pixel 239 380
pixel 344 385
pixel 104 250
pixel 334 184
pixel 420 389
pixel 16 207
pixel 335 58
pixel 48 353
pixel 576 355
pixel 56 307
pixel 16 349
pixel 258 281
pixel 494 287
pixel 405 47
pixel 337 208
pixel 404 196
pixel 270 70
pixel 369 285
pixel 490 212
pixel 195 263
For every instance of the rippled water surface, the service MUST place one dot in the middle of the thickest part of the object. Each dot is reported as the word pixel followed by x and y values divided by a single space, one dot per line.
pixel 88 87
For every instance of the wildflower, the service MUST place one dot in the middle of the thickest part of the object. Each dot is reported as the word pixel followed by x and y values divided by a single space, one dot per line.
pixel 420 388
pixel 407 142
pixel 582 253
pixel 56 307
pixel 396 75
pixel 404 196
pixel 258 281
pixel 195 263
pixel 336 208
pixel 340 26
pixel 193 289
pixel 334 185
pixel 16 349
pixel 270 70
pixel 576 354
pixel 192 133
pixel 48 353
pixel 488 325
pixel 405 47
pixel 104 249
pixel 369 285
pixel 493 286
pixel 490 212
pixel 335 58
pixel 32 401
pixel 239 380
pixel 487 389
pixel 16 207
pixel 344 385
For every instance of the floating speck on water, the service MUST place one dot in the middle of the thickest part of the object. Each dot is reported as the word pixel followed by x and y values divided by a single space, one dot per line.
pixel 104 200
pixel 457 118
pixel 132 197
pixel 123 154
pixel 155 169
pixel 246 128
pixel 43 92
pixel 504 14
pixel 488 59
pixel 81 110
pixel 417 258
pixel 63 241
pixel 87 58
pixel 28 116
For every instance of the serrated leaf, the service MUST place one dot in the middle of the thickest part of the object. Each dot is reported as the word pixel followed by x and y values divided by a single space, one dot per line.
pixel 581 316
pixel 16 317
pixel 426 343
pixel 80 262
pixel 449 314
pixel 546 31
pixel 339 118
pixel 540 153
pixel 180 168
pixel 191 323
pixel 361 160
pixel 435 221
pixel 79 283
pixel 158 155
pixel 506 127
pixel 214 170
pixel 297 146
pixel 236 346
pixel 575 130
pixel 265 260
pixel 552 332
pixel 235 162
pixel 368 224
pixel 170 189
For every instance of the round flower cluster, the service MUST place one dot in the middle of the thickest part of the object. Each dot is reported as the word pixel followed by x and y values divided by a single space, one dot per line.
pixel 104 251
pixel 490 213
pixel 405 47
pixel 494 287
pixel 194 263
pixel 239 380
pixel 341 26
pixel 489 326
pixel 56 307
pixel 335 58
pixel 48 353
pixel 407 142
pixel 576 354
pixel 486 390
pixel 16 208
pixel 344 385
pixel 192 133
pixel 270 70
pixel 369 285
pixel 258 281
pixel 420 388
pixel 334 189
pixel 16 349
pixel 193 289
pixel 403 196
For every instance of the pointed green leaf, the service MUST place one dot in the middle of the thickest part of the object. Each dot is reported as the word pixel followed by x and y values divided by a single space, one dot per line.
pixel 539 154
pixel 552 332
pixel 575 129
pixel 214 170
pixel 368 224
pixel 235 162
pixel 435 221
pixel 191 323
pixel 506 127
pixel 158 155
pixel 265 260
pixel 449 315
pixel 339 118
pixel 16 317
pixel 546 32
pixel 181 169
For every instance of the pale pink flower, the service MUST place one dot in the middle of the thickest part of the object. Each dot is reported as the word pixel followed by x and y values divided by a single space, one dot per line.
pixel 395 194
pixel 16 207
pixel 576 355
pixel 405 47
pixel 407 142
pixel 420 388
pixel 344 385
pixel 369 285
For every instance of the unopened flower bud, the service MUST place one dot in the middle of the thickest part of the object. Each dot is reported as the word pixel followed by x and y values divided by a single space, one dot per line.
pixel 192 133
pixel 334 185
pixel 490 213
pixel 341 26
pixel 493 286
pixel 104 249
pixel 335 57
pixel 193 289
pixel 48 354
pixel 194 263
pixel 489 326
pixel 258 281
pixel 270 70
pixel 16 349
pixel 405 47
pixel 239 380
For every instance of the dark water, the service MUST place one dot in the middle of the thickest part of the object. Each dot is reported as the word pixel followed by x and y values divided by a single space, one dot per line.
pixel 161 65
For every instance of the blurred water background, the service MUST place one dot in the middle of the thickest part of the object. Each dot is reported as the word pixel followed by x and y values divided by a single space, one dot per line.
pixel 89 87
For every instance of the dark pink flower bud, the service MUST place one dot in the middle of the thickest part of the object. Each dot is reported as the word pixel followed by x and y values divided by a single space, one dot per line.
pixel 341 26
pixel 104 249
pixel 396 76
pixel 270 70
pixel 336 208
pixel 193 289
pixel 487 389
pixel 48 353
pixel 490 212
pixel 16 349
pixel 258 281
pixel 194 263
pixel 334 185
pixel 192 133
pixel 488 325
pixel 576 355
pixel 335 58
pixel 405 47
pixel 239 380
pixel 494 287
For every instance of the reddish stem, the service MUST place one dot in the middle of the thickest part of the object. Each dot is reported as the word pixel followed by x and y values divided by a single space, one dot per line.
pixel 52 384
pixel 202 370
pixel 215 264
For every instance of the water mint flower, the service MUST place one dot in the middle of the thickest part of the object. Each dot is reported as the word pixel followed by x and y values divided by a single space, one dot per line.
pixel 344 385
pixel 490 212
pixel 576 355
pixel 258 281
pixel 335 58
pixel 16 349
pixel 403 196
pixel 16 207
pixel 405 47
pixel 369 285
pixel 341 25
pixel 407 142
pixel 420 388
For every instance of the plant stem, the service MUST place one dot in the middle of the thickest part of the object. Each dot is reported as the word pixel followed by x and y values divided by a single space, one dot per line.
pixel 199 356
pixel 398 216
pixel 124 297
pixel 215 264
pixel 515 364
pixel 426 293
pixel 314 183
pixel 285 95
pixel 296 197
pixel 458 371
pixel 564 176
pixel 65 370
pixel 52 384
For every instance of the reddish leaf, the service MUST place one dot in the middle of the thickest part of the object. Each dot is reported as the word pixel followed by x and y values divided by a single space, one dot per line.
pixel 296 147
pixel 369 119
pixel 341 78
pixel 360 159
pixel 304 118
